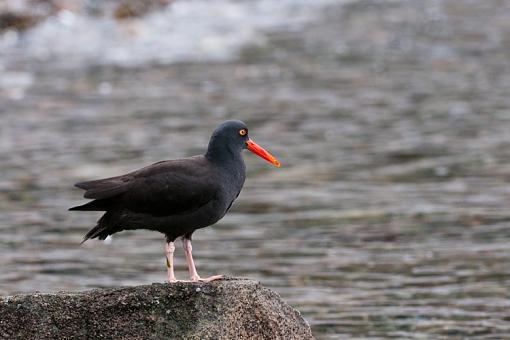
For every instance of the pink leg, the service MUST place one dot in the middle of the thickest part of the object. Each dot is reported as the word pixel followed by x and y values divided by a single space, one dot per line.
pixel 193 275
pixel 169 253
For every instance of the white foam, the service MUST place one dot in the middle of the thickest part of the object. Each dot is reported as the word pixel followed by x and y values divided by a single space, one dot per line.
pixel 188 30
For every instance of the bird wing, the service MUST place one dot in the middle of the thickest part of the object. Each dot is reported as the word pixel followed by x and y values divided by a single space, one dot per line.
pixel 161 189
pixel 106 187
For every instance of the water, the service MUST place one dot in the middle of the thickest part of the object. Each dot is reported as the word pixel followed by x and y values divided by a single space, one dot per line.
pixel 191 30
pixel 389 216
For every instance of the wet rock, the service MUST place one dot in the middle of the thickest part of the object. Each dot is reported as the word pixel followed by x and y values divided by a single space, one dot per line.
pixel 17 21
pixel 135 8
pixel 226 309
pixel 25 14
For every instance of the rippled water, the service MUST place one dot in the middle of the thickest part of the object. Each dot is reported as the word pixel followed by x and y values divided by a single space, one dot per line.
pixel 389 216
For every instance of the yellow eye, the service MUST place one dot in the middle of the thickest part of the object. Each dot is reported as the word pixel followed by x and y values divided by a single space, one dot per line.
pixel 242 132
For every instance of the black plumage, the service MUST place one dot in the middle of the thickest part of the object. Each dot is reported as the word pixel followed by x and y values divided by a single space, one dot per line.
pixel 174 197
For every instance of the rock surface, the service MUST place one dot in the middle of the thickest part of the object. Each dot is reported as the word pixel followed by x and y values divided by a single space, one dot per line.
pixel 226 309
pixel 23 14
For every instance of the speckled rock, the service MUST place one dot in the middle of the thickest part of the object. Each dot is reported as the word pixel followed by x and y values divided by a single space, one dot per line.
pixel 226 309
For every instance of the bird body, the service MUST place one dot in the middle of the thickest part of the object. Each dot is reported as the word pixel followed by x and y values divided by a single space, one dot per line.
pixel 175 197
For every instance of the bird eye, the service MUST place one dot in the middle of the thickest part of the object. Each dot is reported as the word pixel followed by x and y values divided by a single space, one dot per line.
pixel 242 132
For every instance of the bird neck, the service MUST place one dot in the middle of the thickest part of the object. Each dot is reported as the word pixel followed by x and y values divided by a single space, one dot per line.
pixel 223 156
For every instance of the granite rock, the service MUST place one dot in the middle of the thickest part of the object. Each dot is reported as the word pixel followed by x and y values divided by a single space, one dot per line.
pixel 226 309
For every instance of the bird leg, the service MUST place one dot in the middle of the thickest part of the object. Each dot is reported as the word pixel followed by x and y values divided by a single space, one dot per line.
pixel 169 253
pixel 193 275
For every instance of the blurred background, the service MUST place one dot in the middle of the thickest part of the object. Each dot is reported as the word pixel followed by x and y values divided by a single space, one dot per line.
pixel 389 216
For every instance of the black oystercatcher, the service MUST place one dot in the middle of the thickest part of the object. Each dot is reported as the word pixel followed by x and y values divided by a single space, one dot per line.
pixel 175 197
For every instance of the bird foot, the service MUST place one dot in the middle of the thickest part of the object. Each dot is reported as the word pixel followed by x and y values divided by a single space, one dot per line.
pixel 198 279
pixel 206 279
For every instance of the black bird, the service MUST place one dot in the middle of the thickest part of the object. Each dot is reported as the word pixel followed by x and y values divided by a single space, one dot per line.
pixel 175 197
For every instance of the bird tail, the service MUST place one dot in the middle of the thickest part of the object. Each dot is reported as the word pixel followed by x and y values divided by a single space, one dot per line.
pixel 101 231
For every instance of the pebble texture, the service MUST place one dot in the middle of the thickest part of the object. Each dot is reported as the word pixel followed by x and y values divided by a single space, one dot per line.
pixel 226 309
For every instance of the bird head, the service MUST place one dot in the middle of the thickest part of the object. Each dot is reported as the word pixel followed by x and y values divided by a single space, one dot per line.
pixel 231 136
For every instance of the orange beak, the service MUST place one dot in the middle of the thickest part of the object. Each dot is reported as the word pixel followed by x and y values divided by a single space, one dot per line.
pixel 259 151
